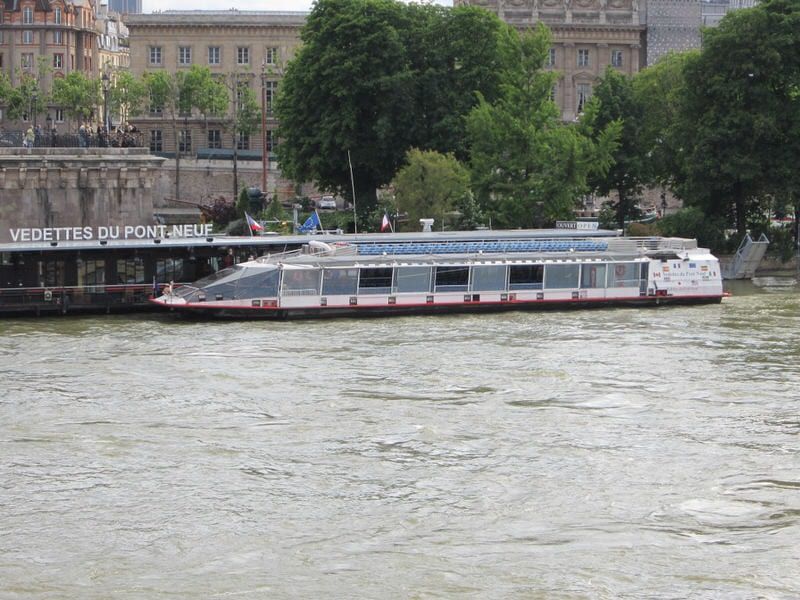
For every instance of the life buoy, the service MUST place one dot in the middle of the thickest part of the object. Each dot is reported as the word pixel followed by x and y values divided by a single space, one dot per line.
pixel 619 270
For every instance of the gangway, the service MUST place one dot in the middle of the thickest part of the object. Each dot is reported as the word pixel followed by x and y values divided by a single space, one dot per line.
pixel 747 258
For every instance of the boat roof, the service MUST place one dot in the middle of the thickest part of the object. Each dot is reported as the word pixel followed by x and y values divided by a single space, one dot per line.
pixel 285 241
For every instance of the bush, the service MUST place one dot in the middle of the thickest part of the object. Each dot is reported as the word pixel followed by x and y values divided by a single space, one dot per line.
pixel 692 223
pixel 221 212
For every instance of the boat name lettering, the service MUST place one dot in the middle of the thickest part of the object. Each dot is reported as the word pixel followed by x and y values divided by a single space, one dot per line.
pixel 109 232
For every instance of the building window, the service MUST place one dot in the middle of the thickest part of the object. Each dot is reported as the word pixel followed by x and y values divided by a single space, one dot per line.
pixel 184 55
pixel 185 140
pixel 57 16
pixel 155 109
pixel 130 270
pixel 243 141
pixel 584 93
pixel 270 140
pixel 214 138
pixel 155 55
pixel 27 36
pixel 213 55
pixel 270 90
pixel 58 37
pixel 156 141
pixel 58 61
pixel 27 15
pixel 27 60
pixel 551 58
pixel 616 58
pixel 242 56
pixel 583 57
pixel 59 115
pixel 271 56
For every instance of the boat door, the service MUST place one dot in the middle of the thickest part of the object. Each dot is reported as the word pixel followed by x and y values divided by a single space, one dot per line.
pixel 644 274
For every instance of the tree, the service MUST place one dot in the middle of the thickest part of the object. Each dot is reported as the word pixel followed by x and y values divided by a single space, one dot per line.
pixel 626 176
pixel 127 96
pixel 347 89
pixel 176 95
pixel 528 168
pixel 376 78
pixel 26 98
pixel 659 91
pixel 243 120
pixel 430 185
pixel 78 95
pixel 740 112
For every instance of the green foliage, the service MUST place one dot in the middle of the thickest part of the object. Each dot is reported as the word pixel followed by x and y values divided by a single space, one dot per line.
pixel 243 202
pixel 659 91
pixel 693 223
pixel 26 98
pixel 430 185
pixel 246 116
pixel 528 168
pixel 78 95
pixel 741 112
pixel 127 95
pixel 221 212
pixel 616 103
pixel 376 78
pixel 281 220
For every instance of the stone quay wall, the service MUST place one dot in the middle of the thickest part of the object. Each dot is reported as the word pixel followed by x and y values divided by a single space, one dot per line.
pixel 76 187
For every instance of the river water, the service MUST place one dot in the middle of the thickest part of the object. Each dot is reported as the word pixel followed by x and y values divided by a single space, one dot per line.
pixel 609 453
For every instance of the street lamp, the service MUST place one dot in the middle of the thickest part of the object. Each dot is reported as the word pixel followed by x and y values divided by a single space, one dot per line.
pixel 49 133
pixel 264 155
pixel 34 102
pixel 106 84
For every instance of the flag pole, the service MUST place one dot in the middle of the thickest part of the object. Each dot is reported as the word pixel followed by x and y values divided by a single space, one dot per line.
pixel 353 186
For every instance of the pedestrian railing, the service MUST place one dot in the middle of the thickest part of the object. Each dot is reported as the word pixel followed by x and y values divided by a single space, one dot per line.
pixel 17 139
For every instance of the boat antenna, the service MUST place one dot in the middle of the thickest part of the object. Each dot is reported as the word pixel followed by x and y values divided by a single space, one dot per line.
pixel 353 186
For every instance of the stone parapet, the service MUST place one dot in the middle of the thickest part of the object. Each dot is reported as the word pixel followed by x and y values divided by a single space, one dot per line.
pixel 76 187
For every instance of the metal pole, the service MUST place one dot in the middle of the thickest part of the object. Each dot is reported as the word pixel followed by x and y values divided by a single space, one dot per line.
pixel 353 186
pixel 264 151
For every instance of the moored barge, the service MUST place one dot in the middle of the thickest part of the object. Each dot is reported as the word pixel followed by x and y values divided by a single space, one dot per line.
pixel 341 279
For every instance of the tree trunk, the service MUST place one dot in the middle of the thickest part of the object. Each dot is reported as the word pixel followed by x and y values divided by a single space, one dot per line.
pixel 177 160
pixel 622 208
pixel 235 169
pixel 739 206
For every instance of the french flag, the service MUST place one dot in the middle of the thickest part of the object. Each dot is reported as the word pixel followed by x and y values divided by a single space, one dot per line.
pixel 386 224
pixel 254 225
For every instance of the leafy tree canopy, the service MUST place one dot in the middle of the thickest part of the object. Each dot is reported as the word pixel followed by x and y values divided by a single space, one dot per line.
pixel 430 186
pixel 378 77
pixel 77 94
pixel 528 168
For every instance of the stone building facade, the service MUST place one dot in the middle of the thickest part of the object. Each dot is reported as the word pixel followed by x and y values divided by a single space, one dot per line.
pixel 60 31
pixel 112 41
pixel 251 46
pixel 588 36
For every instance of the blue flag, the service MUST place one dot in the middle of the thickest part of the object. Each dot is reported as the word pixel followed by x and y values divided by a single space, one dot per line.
pixel 311 224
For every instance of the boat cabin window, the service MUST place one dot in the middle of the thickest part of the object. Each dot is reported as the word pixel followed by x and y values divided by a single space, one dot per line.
pixel 452 279
pixel 593 276
pixel 487 278
pixel 257 283
pixel 169 269
pixel 525 277
pixel 623 275
pixel 339 282
pixel 51 273
pixel 301 282
pixel 562 276
pixel 375 280
pixel 91 273
pixel 222 284
pixel 130 270
pixel 412 279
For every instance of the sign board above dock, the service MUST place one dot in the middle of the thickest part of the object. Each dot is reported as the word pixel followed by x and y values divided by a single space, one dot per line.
pixel 579 225
pixel 108 232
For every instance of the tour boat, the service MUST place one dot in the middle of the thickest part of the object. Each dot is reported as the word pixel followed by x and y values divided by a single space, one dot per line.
pixel 335 280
